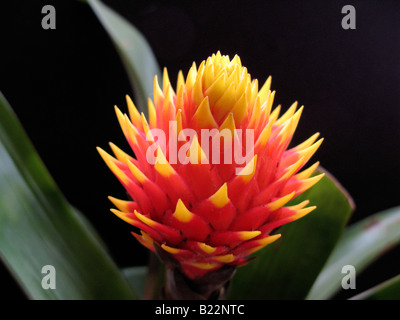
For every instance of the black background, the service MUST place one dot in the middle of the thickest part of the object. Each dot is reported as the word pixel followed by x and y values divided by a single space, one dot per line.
pixel 64 83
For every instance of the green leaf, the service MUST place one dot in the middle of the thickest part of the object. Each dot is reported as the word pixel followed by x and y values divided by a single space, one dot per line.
pixel 388 290
pixel 287 268
pixel 136 277
pixel 136 54
pixel 361 244
pixel 38 227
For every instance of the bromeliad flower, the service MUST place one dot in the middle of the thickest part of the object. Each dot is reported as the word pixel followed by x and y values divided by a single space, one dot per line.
pixel 202 205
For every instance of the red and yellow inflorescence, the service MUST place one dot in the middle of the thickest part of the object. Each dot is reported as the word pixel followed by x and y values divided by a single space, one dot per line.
pixel 204 215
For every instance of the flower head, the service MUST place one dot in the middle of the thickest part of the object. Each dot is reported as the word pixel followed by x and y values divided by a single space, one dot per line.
pixel 203 198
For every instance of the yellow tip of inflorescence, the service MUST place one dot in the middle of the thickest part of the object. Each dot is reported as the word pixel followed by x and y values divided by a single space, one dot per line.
pixel 204 265
pixel 182 213
pixel 120 204
pixel 110 162
pixel 247 235
pixel 264 242
pixel 170 249
pixel 206 248
pixel 122 216
pixel 220 198
pixel 227 258
pixel 275 205
pixel 162 166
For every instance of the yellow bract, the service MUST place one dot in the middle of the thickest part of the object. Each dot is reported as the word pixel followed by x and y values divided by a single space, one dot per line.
pixel 216 88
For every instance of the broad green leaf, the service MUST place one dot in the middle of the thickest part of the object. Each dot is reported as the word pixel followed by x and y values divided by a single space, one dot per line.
pixel 388 290
pixel 136 277
pixel 361 244
pixel 136 54
pixel 38 227
pixel 287 268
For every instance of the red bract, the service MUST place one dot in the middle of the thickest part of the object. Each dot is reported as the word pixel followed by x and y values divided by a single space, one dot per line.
pixel 201 213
